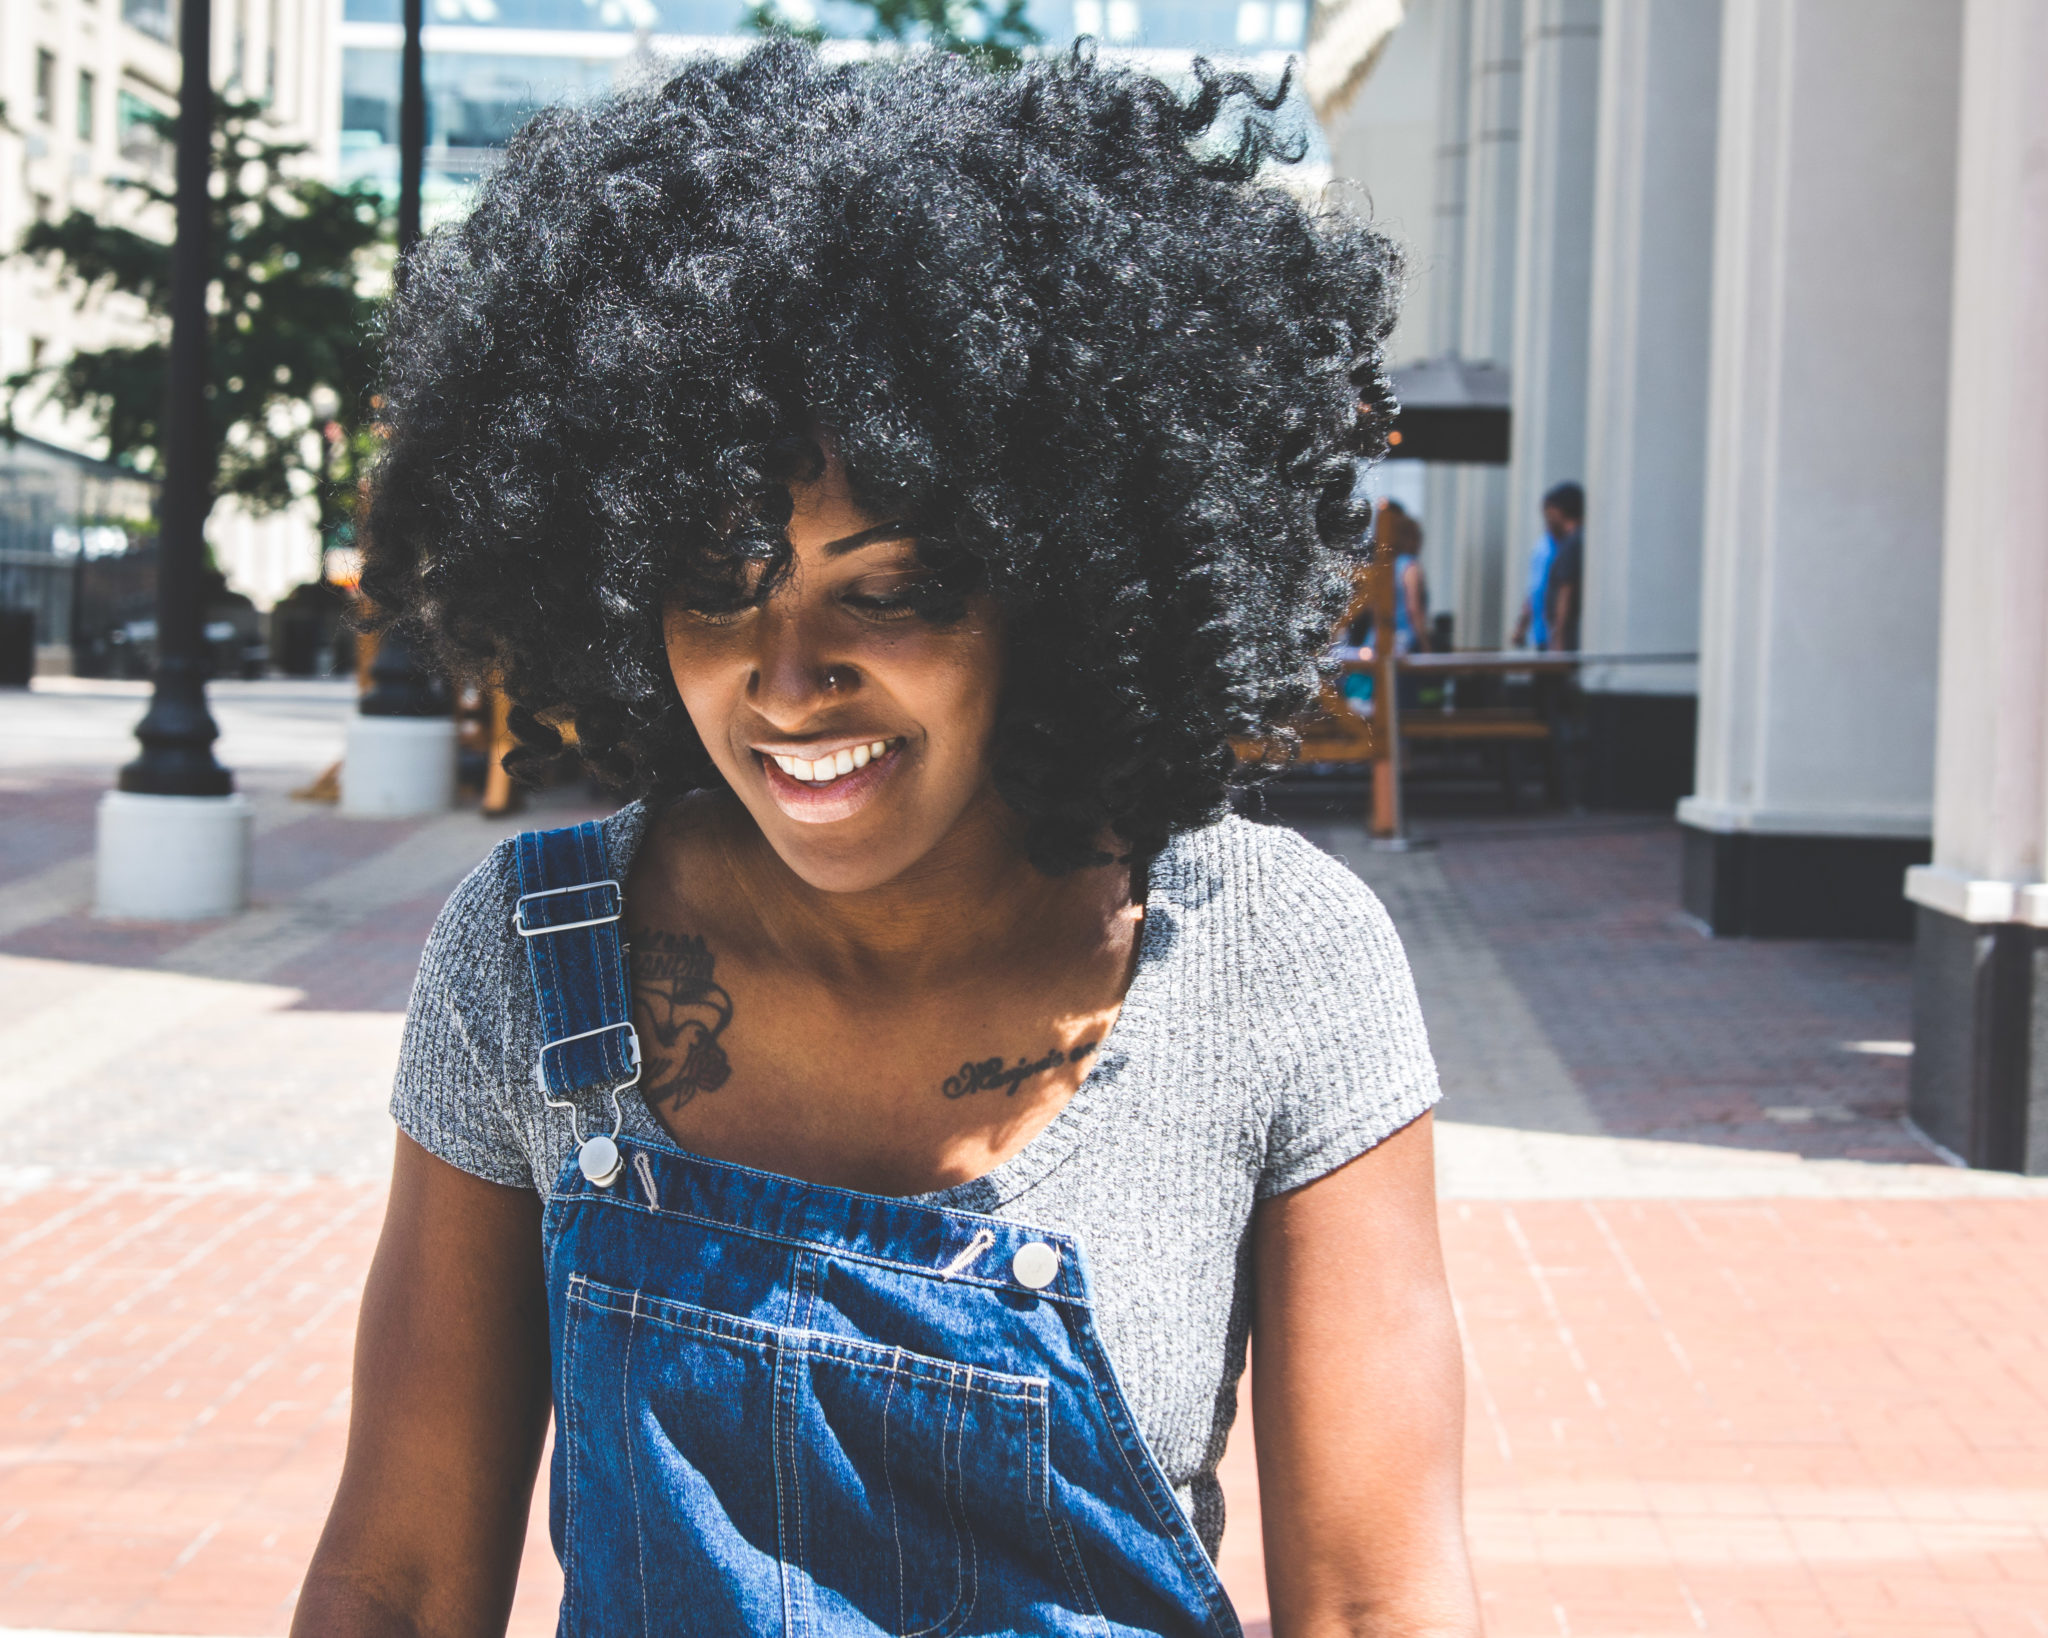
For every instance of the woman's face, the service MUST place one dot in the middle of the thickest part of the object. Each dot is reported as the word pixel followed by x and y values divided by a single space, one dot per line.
pixel 854 728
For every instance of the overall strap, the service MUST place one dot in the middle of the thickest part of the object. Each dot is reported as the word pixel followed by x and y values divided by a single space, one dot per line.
pixel 568 914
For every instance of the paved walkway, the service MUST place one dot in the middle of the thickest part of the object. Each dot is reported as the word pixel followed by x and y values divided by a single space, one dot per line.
pixel 1746 1356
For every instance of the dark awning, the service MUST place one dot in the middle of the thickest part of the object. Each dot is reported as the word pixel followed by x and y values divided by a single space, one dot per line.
pixel 1452 409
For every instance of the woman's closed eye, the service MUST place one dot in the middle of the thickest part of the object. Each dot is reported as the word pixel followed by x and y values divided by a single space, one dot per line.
pixel 720 614
pixel 903 597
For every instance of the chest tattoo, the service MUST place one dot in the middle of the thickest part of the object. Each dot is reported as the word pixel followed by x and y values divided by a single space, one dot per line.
pixel 681 1010
pixel 990 1075
pixel 679 1006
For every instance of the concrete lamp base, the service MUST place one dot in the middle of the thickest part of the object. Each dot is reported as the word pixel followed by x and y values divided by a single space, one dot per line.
pixel 172 858
pixel 398 767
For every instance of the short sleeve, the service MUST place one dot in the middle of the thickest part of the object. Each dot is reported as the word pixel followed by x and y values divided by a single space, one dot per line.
pixel 1347 1048
pixel 1567 566
pixel 450 1093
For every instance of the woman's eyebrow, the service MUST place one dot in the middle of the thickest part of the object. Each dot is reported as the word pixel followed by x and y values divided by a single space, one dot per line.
pixel 868 537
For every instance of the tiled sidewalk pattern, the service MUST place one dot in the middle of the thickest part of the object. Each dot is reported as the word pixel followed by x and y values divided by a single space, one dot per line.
pixel 1745 1358
pixel 1753 1417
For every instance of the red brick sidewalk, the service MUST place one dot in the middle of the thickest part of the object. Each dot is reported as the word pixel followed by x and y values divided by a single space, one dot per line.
pixel 1754 1417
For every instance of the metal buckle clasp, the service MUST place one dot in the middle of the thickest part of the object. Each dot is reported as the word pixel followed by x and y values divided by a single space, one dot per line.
pixel 519 909
pixel 540 1063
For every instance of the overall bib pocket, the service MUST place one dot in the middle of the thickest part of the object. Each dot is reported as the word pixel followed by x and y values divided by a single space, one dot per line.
pixel 755 1478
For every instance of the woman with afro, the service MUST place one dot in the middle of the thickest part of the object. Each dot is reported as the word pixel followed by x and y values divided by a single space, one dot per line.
pixel 879 1143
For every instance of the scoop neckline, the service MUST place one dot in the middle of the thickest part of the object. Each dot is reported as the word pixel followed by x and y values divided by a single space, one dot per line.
pixel 626 830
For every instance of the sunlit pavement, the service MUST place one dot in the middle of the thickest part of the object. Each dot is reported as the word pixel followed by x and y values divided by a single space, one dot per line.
pixel 1745 1355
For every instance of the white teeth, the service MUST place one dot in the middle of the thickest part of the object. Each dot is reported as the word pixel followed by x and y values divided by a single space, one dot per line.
pixel 828 768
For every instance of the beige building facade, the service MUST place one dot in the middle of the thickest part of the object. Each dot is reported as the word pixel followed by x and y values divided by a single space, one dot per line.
pixel 77 77
pixel 1770 282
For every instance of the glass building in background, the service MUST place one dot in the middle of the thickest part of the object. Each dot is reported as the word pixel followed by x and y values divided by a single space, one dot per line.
pixel 490 63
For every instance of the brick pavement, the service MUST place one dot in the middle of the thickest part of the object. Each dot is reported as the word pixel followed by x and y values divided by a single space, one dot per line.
pixel 1735 1368
pixel 1736 1417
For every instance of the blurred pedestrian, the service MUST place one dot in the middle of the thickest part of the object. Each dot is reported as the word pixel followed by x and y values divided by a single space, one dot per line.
pixel 1549 620
pixel 1398 532
pixel 1564 518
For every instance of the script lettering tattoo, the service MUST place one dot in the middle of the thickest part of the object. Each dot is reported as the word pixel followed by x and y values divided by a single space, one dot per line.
pixel 679 1008
pixel 989 1075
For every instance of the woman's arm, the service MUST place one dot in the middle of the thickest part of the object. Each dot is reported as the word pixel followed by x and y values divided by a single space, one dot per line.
pixel 449 1415
pixel 1358 1403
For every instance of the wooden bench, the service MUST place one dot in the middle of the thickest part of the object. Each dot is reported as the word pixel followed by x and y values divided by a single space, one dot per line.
pixel 1338 734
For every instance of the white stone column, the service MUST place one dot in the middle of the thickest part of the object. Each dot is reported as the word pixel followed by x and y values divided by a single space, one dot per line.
pixel 1980 1062
pixel 1487 310
pixel 1446 272
pixel 1646 392
pixel 1453 156
pixel 1553 260
pixel 1833 225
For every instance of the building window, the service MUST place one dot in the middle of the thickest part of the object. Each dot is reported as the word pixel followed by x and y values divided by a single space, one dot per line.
pixel 135 130
pixel 1261 24
pixel 151 16
pixel 1115 20
pixel 46 87
pixel 87 97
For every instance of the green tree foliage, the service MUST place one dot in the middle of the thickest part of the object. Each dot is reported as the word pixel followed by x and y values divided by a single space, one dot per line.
pixel 994 33
pixel 291 354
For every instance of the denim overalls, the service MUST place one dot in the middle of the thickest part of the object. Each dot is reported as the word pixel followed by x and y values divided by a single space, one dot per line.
pixel 789 1409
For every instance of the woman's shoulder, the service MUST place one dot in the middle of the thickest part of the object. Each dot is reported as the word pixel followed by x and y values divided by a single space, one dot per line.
pixel 1274 894
pixel 476 922
pixel 471 1030
pixel 1301 963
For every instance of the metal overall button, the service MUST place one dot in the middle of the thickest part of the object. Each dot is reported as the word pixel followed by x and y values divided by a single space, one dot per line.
pixel 1036 1265
pixel 600 1160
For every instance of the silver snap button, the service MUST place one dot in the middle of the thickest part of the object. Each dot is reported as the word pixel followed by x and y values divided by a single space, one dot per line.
pixel 601 1161
pixel 1036 1265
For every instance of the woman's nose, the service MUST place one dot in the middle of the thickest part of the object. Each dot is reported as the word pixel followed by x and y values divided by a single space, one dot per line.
pixel 793 674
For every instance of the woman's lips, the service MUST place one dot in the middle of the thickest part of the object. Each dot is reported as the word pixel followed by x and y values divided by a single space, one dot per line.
pixel 841 798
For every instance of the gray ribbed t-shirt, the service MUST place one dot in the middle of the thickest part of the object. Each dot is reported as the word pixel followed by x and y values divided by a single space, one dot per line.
pixel 1270 1034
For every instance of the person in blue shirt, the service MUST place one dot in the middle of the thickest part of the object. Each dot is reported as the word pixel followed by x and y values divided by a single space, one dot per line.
pixel 1550 611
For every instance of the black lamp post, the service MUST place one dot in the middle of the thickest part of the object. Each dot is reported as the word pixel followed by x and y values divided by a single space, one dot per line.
pixel 412 130
pixel 178 732
pixel 399 685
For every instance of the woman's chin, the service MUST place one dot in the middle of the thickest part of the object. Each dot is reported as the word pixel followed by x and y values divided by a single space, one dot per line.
pixel 833 801
pixel 839 842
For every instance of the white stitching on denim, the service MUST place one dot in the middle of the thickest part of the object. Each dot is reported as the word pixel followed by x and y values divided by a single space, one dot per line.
pixel 889 1479
pixel 568 1436
pixel 632 1468
pixel 962 1611
pixel 789 1621
pixel 984 1237
pixel 676 1315
pixel 952 1433
pixel 1064 1547
pixel 1178 1528
pixel 644 1168
pixel 803 1540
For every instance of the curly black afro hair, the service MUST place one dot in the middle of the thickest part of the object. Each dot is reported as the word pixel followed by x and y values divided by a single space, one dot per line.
pixel 1061 318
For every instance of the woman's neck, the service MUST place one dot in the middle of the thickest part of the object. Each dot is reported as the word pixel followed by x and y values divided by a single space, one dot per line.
pixel 974 901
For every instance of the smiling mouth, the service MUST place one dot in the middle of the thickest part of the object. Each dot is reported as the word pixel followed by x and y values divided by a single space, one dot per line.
pixel 820 772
